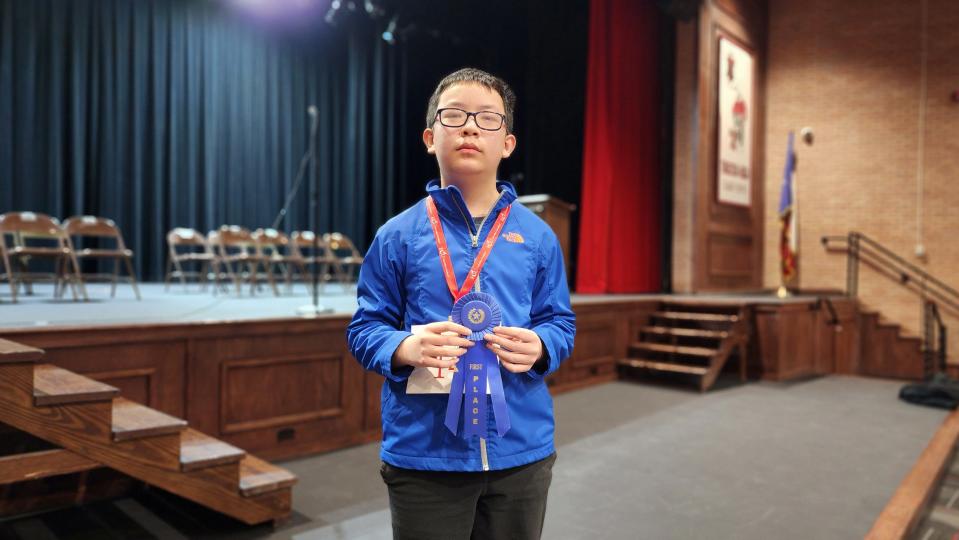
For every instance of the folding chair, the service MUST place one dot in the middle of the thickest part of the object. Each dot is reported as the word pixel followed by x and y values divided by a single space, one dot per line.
pixel 276 248
pixel 315 253
pixel 346 255
pixel 105 231
pixel 187 246
pixel 37 236
pixel 234 245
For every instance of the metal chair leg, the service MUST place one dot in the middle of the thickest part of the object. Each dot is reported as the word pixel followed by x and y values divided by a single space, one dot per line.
pixel 10 274
pixel 133 279
pixel 116 276
pixel 78 277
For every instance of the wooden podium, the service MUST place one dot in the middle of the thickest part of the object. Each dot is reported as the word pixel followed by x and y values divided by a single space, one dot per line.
pixel 556 213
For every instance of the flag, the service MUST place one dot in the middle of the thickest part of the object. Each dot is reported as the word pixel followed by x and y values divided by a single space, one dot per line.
pixel 788 220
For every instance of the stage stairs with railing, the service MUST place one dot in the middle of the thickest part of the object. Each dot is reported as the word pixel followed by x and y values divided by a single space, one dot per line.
pixel 93 426
pixel 886 352
pixel 692 340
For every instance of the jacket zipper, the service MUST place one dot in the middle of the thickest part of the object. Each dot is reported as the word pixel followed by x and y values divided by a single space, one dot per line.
pixel 483 454
pixel 474 238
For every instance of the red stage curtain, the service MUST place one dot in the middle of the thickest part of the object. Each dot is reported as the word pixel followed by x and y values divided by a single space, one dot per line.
pixel 619 244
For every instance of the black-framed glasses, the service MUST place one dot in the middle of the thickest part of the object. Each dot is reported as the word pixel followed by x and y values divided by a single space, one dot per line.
pixel 486 120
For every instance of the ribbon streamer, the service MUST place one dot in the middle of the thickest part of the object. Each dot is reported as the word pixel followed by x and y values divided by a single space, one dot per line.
pixel 480 313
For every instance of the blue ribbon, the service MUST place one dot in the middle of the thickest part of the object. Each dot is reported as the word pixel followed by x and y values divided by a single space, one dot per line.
pixel 480 313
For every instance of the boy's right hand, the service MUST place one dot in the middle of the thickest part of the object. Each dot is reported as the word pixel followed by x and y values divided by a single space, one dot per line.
pixel 439 345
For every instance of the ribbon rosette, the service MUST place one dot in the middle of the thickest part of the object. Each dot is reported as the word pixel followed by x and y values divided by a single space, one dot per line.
pixel 479 313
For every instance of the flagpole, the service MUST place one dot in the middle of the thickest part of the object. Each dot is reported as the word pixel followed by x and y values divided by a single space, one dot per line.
pixel 784 291
pixel 794 223
pixel 788 230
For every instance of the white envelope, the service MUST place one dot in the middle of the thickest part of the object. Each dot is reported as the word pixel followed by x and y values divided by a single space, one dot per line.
pixel 428 380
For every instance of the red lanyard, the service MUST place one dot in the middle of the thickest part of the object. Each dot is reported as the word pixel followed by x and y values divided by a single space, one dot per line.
pixel 445 252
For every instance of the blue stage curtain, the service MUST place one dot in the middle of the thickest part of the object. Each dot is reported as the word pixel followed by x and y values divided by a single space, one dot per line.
pixel 170 113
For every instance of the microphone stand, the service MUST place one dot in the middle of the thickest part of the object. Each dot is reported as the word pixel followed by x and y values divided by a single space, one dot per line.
pixel 307 158
pixel 309 310
pixel 315 309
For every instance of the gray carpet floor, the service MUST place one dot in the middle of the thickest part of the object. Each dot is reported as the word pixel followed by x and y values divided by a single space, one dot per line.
pixel 813 459
pixel 816 459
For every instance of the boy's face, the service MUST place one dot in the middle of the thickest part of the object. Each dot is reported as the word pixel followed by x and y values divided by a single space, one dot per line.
pixel 468 150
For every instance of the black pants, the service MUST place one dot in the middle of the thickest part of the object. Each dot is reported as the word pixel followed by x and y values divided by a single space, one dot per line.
pixel 506 504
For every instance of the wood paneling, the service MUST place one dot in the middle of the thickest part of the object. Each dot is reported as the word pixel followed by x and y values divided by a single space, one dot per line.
pixel 558 215
pixel 311 387
pixel 146 371
pixel 798 339
pixel 788 346
pixel 845 338
pixel 285 388
pixel 728 256
pixel 603 333
pixel 282 391
pixel 726 239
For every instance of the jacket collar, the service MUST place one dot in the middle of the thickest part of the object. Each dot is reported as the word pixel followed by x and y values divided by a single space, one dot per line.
pixel 450 200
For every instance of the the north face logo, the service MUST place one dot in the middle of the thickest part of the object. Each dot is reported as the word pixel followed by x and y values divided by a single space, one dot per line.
pixel 514 237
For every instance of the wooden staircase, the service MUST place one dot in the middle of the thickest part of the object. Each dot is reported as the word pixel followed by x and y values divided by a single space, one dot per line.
pixel 94 427
pixel 887 351
pixel 690 340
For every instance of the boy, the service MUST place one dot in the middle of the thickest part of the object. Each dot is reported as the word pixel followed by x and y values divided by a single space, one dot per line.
pixel 465 238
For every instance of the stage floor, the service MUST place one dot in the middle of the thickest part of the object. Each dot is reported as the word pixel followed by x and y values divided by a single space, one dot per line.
pixel 194 306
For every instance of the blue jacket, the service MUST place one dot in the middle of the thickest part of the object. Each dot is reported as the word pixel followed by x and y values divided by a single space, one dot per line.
pixel 401 283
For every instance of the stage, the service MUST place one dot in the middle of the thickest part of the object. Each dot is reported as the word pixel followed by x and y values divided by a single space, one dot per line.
pixel 249 371
pixel 176 306
pixel 159 306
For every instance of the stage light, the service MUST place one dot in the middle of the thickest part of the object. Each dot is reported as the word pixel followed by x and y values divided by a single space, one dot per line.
pixel 372 9
pixel 389 35
pixel 332 13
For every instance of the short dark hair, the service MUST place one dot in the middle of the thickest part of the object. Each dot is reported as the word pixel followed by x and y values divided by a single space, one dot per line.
pixel 476 76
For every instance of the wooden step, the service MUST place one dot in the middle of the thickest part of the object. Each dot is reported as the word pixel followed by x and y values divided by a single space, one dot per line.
pixel 144 444
pixel 133 421
pixel 42 464
pixel 674 349
pixel 56 386
pixel 198 451
pixel 664 366
pixel 689 316
pixel 12 352
pixel 685 332
pixel 258 477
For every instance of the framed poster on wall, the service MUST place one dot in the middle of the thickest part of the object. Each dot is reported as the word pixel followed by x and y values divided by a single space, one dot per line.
pixel 735 129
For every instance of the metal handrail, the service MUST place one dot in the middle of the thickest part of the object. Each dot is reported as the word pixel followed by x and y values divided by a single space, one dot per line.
pixel 853 240
pixel 833 316
pixel 860 246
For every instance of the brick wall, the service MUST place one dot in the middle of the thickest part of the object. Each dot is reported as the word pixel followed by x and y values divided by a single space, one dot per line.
pixel 851 71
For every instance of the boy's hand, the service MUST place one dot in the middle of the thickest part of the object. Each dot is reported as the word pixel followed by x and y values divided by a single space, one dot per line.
pixel 518 348
pixel 431 347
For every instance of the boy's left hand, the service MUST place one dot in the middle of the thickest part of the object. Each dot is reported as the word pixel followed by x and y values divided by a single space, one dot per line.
pixel 518 348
